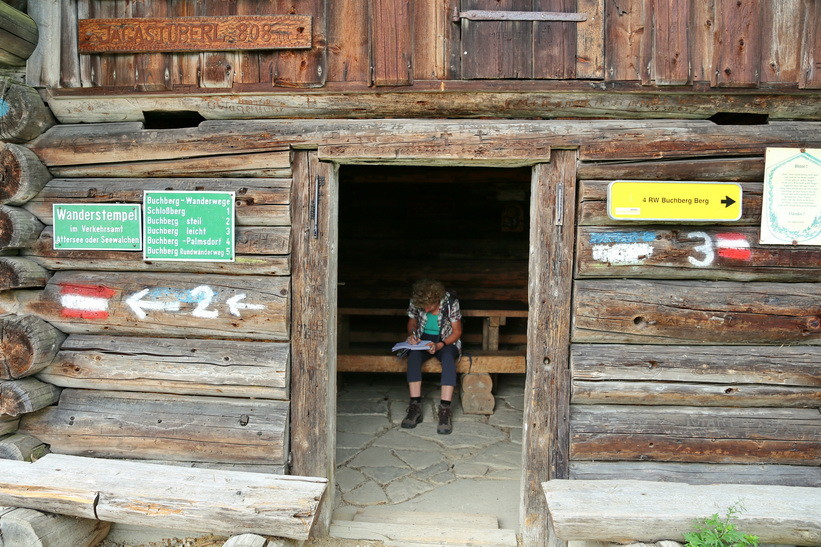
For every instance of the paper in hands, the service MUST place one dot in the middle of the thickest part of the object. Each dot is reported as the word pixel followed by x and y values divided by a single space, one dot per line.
pixel 424 345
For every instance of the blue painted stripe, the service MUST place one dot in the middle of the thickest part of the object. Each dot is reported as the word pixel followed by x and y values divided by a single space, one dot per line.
pixel 4 107
pixel 622 237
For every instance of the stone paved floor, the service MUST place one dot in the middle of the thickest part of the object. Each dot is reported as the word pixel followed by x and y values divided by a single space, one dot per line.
pixel 476 469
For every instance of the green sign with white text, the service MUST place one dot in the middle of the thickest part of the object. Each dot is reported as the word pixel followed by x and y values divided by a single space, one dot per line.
pixel 189 226
pixel 98 227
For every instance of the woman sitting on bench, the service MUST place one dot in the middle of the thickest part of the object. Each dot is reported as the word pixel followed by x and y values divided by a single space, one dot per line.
pixel 433 315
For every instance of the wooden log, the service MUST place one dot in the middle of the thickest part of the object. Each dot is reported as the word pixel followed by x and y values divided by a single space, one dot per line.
pixel 248 240
pixel 18 36
pixel 225 502
pixel 718 169
pixel 691 252
pixel 17 273
pixel 8 424
pixel 169 365
pixel 167 304
pixel 27 395
pixel 163 427
pixel 404 140
pixel 476 393
pixel 24 115
pixel 270 469
pixel 43 67
pixel 691 434
pixel 29 527
pixel 594 510
pixel 259 202
pixel 23 174
pixel 593 206
pixel 764 365
pixel 27 345
pixel 22 448
pixel 698 473
pixel 18 228
pixel 696 312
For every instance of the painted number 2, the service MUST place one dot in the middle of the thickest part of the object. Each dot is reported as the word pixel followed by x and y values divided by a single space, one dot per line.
pixel 205 294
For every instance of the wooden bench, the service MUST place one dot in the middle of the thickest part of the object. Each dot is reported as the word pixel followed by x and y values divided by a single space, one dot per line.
pixel 164 496
pixel 476 366
pixel 626 511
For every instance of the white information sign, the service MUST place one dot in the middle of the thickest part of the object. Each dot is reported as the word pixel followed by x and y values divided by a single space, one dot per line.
pixel 791 207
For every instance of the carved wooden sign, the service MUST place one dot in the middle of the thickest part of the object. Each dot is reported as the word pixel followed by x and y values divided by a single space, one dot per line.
pixel 155 34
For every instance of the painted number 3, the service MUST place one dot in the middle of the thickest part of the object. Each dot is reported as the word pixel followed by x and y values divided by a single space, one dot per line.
pixel 706 249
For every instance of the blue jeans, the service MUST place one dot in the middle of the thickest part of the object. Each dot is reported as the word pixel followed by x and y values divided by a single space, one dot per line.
pixel 448 356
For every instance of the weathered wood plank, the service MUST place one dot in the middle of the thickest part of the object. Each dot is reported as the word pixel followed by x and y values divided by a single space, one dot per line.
pixel 35 529
pixel 164 304
pixel 590 40
pixel 810 77
pixel 228 502
pixel 594 510
pixel 19 36
pixel 691 252
pixel 593 205
pixel 547 383
pixel 304 68
pixel 66 145
pixel 26 395
pixel 348 59
pixel 18 228
pixel 698 473
pixel 624 31
pixel 248 242
pixel 675 312
pixel 719 169
pixel 153 69
pixel 671 51
pixel 43 67
pixel 313 308
pixel 115 424
pixel 24 175
pixel 8 424
pixel 16 273
pixel 738 43
pixel 69 55
pixel 692 434
pixel 434 40
pixel 169 365
pixel 259 202
pixel 496 49
pixel 763 365
pixel 703 40
pixel 391 27
pixel 554 43
pixel 27 345
pixel 783 22
pixel 22 448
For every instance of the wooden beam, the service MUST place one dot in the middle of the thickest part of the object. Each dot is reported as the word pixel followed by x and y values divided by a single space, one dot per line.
pixel 27 345
pixel 594 510
pixel 18 228
pixel 26 395
pixel 313 307
pixel 169 365
pixel 19 36
pixel 22 447
pixel 24 175
pixel 24 115
pixel 545 449
pixel 224 502
pixel 16 273
pixel 36 529
pixel 476 362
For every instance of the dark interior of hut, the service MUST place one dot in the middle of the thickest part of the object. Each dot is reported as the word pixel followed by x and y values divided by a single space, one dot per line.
pixel 468 227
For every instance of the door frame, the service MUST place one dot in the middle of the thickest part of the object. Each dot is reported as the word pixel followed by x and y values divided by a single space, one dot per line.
pixel 314 259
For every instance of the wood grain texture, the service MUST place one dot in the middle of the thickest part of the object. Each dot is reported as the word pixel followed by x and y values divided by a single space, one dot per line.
pixel 303 68
pixel 496 49
pixel 593 510
pixel 169 365
pixel 554 43
pixel 715 169
pixel 23 174
pixel 624 32
pixel 37 529
pixel 22 448
pixel 810 77
pixel 348 43
pixel 787 436
pixel 671 48
pixel 783 24
pixel 691 252
pixel 16 273
pixel 676 312
pixel 26 395
pixel 546 456
pixel 43 67
pixel 590 40
pixel 165 304
pixel 18 228
pixel 698 473
pixel 738 43
pixel 391 40
pixel 8 424
pixel 27 345
pixel 147 495
pixel 118 424
pixel 313 308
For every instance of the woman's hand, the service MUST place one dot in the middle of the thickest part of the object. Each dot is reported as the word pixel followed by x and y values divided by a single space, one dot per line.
pixel 412 339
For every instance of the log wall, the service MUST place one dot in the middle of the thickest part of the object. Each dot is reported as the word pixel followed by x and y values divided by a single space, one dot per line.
pixel 695 352
pixel 663 43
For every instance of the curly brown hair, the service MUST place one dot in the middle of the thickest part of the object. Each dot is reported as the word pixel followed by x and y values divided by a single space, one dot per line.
pixel 427 292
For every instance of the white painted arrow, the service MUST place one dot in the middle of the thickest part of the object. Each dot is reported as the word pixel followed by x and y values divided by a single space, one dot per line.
pixel 138 305
pixel 235 304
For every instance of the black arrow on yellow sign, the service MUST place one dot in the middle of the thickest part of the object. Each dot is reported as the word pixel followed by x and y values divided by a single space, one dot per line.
pixel 727 201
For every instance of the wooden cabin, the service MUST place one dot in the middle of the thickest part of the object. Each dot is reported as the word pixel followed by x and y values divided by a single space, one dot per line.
pixel 669 350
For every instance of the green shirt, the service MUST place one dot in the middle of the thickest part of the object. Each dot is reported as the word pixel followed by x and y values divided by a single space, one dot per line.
pixel 431 324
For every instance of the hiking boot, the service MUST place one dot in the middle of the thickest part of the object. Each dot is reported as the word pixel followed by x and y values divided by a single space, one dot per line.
pixel 445 423
pixel 414 415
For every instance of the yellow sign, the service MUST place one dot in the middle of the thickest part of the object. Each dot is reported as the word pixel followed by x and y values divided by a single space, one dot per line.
pixel 657 200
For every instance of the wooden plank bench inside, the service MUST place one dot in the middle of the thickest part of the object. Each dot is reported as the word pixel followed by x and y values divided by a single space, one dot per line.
pixel 163 496
pixel 627 511
pixel 474 365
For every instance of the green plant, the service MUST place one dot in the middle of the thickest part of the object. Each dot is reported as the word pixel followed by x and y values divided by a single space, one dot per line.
pixel 716 531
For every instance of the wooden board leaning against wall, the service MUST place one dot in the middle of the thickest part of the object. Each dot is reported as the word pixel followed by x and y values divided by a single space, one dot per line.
pixel 695 354
pixel 187 361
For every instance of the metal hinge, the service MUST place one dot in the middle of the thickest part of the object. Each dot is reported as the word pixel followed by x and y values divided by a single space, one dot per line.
pixel 489 15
